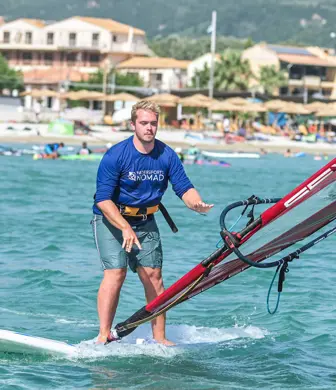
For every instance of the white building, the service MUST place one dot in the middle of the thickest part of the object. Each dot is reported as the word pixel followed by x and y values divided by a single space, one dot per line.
pixel 78 45
pixel 157 72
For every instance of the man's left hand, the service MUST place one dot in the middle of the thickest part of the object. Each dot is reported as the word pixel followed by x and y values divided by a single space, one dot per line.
pixel 202 207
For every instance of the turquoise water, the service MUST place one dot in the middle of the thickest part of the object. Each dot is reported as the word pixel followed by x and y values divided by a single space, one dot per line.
pixel 50 273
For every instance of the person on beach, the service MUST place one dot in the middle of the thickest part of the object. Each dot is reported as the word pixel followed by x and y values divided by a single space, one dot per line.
pixel 131 180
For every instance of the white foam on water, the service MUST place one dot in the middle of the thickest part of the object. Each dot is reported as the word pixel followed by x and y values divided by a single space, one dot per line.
pixel 140 342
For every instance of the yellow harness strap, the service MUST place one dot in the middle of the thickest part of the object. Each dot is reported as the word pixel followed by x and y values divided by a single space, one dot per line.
pixel 138 211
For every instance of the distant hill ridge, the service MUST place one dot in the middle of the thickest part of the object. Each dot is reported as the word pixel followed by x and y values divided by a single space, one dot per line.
pixel 304 21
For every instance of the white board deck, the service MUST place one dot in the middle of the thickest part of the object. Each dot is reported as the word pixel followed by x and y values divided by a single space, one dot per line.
pixel 14 342
pixel 230 155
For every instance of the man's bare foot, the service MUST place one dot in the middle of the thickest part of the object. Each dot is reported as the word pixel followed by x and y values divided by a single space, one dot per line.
pixel 101 339
pixel 165 342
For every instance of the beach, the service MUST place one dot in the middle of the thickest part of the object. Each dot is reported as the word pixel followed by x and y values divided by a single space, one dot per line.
pixel 38 134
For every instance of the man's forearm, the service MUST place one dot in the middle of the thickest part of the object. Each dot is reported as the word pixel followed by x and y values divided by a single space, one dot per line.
pixel 112 213
pixel 191 198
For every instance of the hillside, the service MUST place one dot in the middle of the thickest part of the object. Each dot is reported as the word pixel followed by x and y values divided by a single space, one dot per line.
pixel 303 21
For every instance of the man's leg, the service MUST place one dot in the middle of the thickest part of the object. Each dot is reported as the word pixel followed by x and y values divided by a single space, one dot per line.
pixel 108 298
pixel 151 279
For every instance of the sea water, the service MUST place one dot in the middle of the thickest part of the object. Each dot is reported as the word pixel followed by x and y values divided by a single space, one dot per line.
pixel 50 274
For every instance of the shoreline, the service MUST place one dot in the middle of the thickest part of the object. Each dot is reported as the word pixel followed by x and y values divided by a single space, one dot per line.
pixel 174 140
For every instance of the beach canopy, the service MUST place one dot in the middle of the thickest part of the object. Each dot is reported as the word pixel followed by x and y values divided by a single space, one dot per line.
pixel 275 105
pixel 39 93
pixel 329 110
pixel 164 99
pixel 316 106
pixel 82 95
pixel 238 101
pixel 197 100
pixel 123 97
pixel 223 106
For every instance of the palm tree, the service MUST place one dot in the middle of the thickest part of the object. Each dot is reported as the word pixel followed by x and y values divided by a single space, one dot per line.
pixel 232 73
pixel 271 78
pixel 201 78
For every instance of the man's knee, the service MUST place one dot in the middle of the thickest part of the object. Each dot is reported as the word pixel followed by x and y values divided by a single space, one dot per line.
pixel 115 276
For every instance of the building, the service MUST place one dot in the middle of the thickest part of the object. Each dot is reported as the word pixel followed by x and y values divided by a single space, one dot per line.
pixel 68 50
pixel 157 72
pixel 310 70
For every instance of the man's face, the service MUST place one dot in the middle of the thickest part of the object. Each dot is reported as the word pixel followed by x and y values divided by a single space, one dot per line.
pixel 145 126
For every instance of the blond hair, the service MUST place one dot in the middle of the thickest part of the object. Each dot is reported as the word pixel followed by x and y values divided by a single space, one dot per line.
pixel 144 105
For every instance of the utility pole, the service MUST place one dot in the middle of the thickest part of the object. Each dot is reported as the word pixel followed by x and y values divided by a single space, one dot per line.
pixel 213 53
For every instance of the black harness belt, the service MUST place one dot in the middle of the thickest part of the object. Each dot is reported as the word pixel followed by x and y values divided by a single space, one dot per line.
pixel 143 212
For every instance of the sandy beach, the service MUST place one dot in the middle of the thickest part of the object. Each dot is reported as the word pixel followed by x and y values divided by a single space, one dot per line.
pixel 38 134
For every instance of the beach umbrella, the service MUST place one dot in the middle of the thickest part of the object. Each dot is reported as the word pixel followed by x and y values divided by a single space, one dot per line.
pixel 222 106
pixel 198 101
pixel 295 108
pixel 124 97
pixel 251 107
pixel 39 93
pixel 275 105
pixel 164 99
pixel 89 95
pixel 327 111
pixel 316 106
pixel 82 95
pixel 238 101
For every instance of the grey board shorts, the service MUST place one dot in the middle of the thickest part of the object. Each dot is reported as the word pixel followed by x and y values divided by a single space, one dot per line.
pixel 108 240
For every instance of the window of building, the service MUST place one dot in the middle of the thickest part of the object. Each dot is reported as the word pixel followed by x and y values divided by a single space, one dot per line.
pixel 27 57
pixel 296 72
pixel 48 58
pixel 28 38
pixel 158 77
pixel 71 58
pixel 72 39
pixel 95 39
pixel 114 38
pixel 6 37
pixel 95 58
pixel 50 38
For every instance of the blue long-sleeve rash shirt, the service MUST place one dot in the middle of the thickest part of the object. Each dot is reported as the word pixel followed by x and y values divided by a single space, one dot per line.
pixel 131 178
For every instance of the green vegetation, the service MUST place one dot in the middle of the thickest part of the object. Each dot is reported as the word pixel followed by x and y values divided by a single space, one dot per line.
pixel 9 78
pixel 231 73
pixel 300 21
pixel 271 78
pixel 234 74
pixel 120 79
pixel 186 48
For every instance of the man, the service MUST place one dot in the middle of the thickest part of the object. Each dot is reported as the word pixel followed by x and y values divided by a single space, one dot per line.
pixel 132 178
pixel 84 150
pixel 51 150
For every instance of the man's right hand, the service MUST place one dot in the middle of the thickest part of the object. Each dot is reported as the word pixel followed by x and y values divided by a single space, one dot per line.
pixel 130 238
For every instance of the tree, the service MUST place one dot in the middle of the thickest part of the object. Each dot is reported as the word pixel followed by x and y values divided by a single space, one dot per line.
pixel 130 79
pixel 189 48
pixel 232 73
pixel 201 78
pixel 9 78
pixel 271 78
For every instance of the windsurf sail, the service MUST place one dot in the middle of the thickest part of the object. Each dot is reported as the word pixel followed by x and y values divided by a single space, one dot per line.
pixel 305 210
